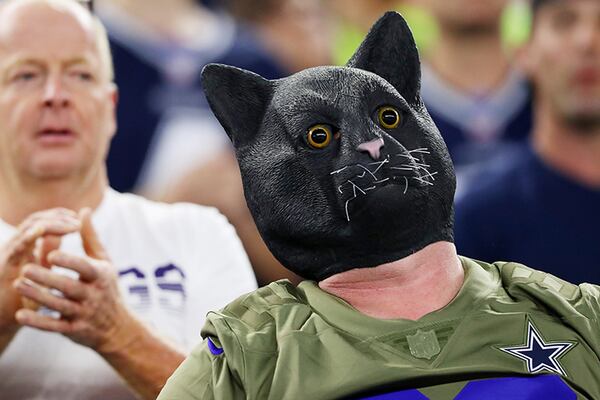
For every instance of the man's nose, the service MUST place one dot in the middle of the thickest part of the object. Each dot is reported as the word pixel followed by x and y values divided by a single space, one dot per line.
pixel 372 147
pixel 55 94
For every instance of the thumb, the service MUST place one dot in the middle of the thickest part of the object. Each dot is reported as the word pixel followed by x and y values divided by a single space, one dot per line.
pixel 44 246
pixel 91 243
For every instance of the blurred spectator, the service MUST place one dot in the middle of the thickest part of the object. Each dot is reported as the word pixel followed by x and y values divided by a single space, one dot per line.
pixel 159 49
pixel 296 32
pixel 541 207
pixel 474 95
pixel 352 23
pixel 126 303
pixel 363 13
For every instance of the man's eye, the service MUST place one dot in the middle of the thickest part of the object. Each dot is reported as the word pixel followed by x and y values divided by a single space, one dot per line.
pixel 25 76
pixel 82 76
pixel 564 19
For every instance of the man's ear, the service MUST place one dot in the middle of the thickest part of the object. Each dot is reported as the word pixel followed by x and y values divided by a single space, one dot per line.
pixel 238 98
pixel 113 94
pixel 389 50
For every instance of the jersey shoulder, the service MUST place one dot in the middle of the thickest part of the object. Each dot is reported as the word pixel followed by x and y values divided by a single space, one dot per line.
pixel 257 318
pixel 266 306
pixel 549 292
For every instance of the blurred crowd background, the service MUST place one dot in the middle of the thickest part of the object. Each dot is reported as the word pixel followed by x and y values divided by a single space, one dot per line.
pixel 159 47
pixel 170 147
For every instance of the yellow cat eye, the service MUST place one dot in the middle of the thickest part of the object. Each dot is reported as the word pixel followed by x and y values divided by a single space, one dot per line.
pixel 319 136
pixel 389 117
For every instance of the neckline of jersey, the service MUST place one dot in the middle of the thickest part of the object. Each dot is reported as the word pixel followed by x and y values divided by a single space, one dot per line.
pixel 478 284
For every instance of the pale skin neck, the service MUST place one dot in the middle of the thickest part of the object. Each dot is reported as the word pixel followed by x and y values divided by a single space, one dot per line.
pixel 473 63
pixel 574 154
pixel 21 197
pixel 409 288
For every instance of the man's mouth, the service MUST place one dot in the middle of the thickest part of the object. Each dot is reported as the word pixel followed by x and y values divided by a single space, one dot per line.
pixel 55 135
pixel 587 76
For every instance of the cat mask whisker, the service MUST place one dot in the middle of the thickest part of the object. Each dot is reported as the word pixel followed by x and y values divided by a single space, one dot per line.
pixel 368 171
pixel 423 150
pixel 337 171
pixel 422 180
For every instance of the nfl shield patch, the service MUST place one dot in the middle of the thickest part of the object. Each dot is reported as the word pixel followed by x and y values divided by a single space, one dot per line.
pixel 423 344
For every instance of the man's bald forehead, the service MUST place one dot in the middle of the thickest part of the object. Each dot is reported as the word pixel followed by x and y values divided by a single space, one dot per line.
pixel 71 6
pixel 13 12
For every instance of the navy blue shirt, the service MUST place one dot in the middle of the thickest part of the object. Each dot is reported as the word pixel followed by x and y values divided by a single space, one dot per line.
pixel 465 151
pixel 475 126
pixel 522 210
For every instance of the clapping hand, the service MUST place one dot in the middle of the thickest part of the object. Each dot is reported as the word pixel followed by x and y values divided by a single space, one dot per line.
pixel 20 250
pixel 91 309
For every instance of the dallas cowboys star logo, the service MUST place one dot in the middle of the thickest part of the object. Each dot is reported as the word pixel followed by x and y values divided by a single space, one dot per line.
pixel 539 355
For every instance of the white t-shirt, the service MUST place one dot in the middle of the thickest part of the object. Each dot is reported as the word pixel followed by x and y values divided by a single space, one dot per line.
pixel 176 263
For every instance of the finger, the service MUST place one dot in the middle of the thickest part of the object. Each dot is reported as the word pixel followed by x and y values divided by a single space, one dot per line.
pixel 57 211
pixel 91 243
pixel 44 297
pixel 44 246
pixel 58 226
pixel 51 212
pixel 44 322
pixel 30 304
pixel 42 228
pixel 54 213
pixel 69 287
pixel 21 246
pixel 87 271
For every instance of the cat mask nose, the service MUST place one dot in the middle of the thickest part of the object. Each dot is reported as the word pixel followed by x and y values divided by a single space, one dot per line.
pixel 372 147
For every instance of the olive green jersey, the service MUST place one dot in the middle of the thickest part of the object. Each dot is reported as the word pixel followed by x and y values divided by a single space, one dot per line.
pixel 511 333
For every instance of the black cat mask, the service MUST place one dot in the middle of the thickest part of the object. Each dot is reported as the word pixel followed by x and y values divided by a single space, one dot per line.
pixel 342 166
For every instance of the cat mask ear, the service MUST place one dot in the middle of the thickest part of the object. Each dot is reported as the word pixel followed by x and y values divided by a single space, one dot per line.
pixel 389 51
pixel 238 98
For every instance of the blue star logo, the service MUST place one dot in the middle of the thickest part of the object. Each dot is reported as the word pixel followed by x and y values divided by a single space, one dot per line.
pixel 539 355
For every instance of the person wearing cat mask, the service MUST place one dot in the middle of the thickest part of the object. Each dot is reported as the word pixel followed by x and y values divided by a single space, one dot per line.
pixel 351 187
